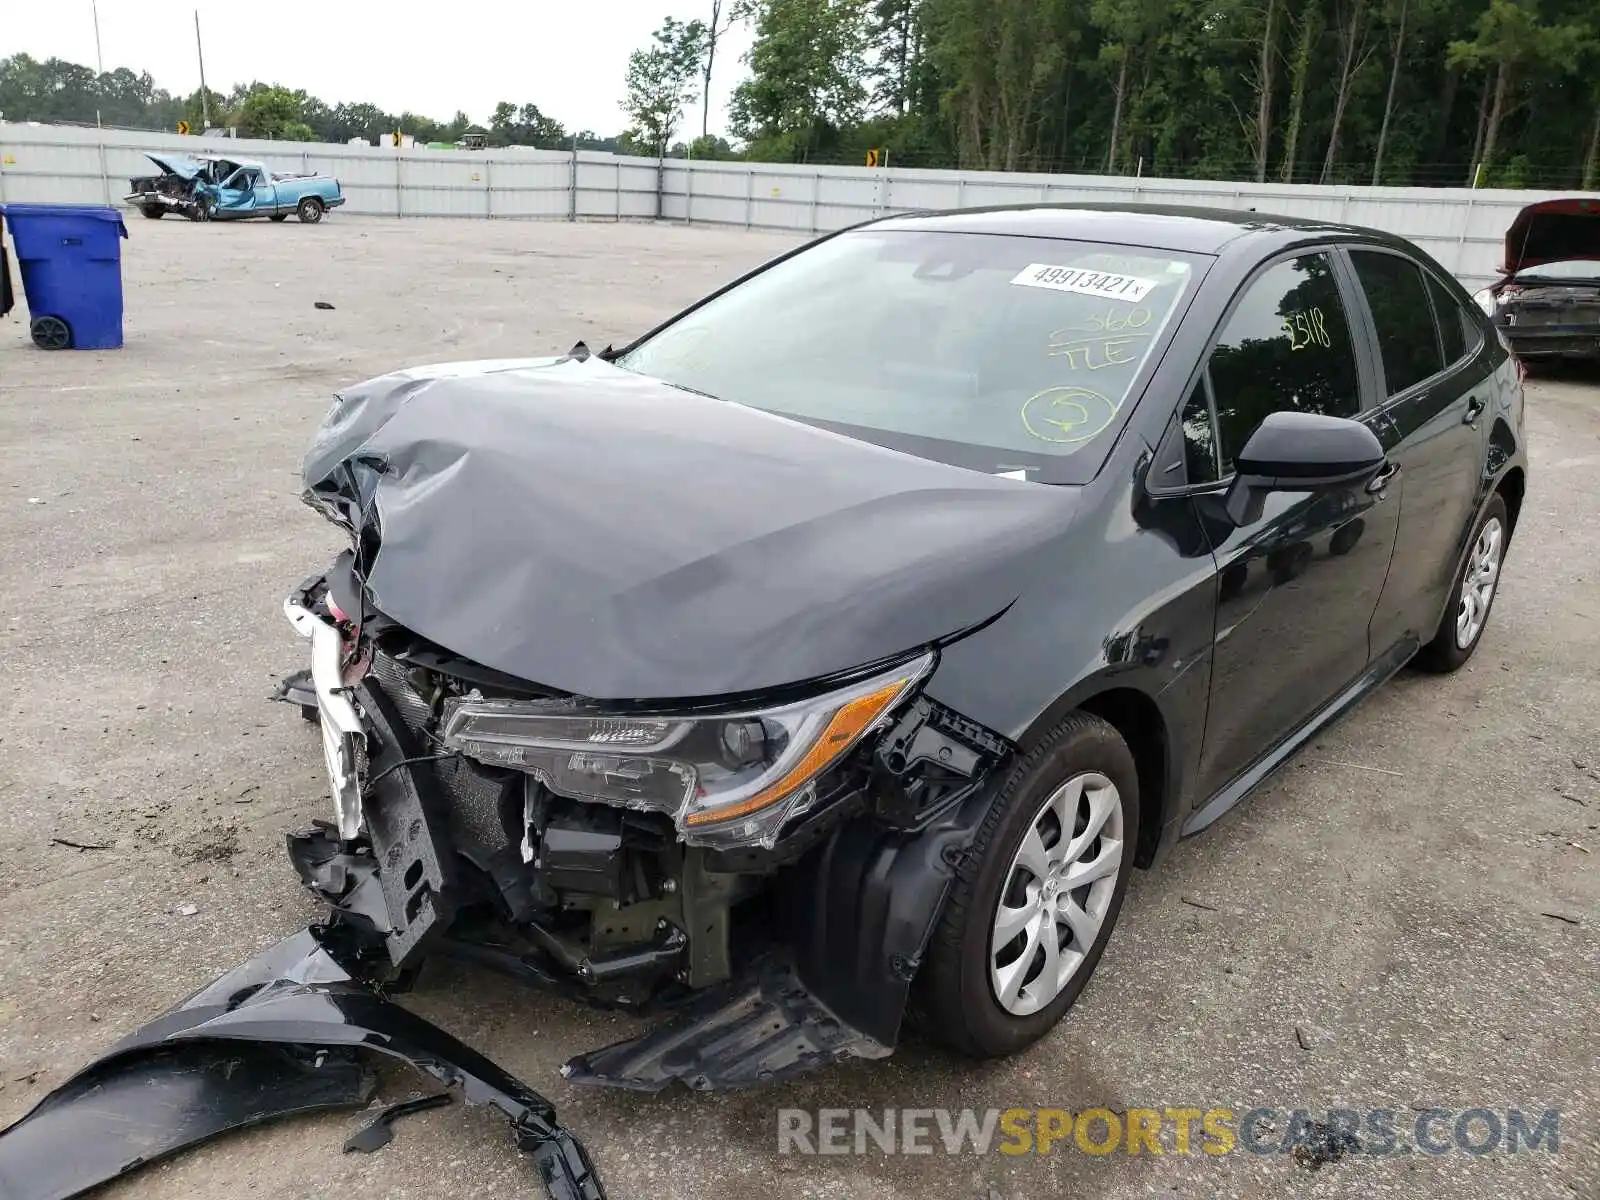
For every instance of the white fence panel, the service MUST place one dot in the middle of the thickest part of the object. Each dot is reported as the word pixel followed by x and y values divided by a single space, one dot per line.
pixel 1462 228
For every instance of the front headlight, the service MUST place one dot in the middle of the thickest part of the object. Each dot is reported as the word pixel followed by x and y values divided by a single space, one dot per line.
pixel 727 778
pixel 1486 301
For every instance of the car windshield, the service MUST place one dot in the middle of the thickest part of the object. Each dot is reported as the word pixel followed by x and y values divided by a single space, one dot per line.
pixel 995 352
pixel 1574 270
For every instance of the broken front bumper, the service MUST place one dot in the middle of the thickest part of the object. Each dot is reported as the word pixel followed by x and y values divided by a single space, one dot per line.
pixel 342 734
pixel 281 1034
pixel 855 902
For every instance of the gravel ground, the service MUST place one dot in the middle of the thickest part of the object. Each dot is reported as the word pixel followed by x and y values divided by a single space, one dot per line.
pixel 1404 917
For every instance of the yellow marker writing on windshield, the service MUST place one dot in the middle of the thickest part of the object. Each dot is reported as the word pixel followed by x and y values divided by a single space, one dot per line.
pixel 1066 414
pixel 1095 353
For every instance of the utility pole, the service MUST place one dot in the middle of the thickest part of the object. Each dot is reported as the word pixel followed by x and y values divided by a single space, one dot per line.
pixel 200 53
pixel 99 62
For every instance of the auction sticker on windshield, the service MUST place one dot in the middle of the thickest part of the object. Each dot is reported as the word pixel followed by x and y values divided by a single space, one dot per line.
pixel 1107 284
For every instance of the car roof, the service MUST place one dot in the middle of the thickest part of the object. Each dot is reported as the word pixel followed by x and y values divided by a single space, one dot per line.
pixel 1193 230
pixel 228 158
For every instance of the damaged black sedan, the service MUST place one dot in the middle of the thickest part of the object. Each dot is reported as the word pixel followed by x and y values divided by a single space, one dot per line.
pixel 837 649
pixel 1547 302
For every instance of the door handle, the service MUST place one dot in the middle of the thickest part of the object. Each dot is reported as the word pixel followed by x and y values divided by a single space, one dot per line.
pixel 1475 407
pixel 1383 479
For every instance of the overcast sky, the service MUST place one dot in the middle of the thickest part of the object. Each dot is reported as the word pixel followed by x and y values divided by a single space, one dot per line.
pixel 566 56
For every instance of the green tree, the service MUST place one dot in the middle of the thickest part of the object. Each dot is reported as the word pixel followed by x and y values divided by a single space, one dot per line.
pixel 707 147
pixel 808 68
pixel 1512 42
pixel 269 112
pixel 501 123
pixel 725 14
pixel 660 81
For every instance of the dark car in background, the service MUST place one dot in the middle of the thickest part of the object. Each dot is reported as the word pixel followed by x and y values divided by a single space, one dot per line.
pixel 839 647
pixel 1548 304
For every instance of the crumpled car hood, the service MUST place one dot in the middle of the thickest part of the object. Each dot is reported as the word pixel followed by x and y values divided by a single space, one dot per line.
pixel 602 533
pixel 1553 231
pixel 181 167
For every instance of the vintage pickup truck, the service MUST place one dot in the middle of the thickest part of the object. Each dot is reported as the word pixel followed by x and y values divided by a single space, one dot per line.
pixel 209 187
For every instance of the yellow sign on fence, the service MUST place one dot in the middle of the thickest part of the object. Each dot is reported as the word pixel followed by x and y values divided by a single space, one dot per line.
pixel 183 127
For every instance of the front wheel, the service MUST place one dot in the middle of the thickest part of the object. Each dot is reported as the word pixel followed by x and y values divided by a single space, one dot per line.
pixel 278 217
pixel 1476 586
pixel 309 210
pixel 152 212
pixel 1037 895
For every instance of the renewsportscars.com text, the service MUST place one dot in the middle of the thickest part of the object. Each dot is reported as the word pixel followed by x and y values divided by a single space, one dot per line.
pixel 1176 1130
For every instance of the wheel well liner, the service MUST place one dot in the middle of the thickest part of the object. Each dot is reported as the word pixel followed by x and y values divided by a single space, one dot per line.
pixel 1511 489
pixel 1138 719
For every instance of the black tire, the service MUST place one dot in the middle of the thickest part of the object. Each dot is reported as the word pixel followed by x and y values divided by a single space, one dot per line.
pixel 1443 654
pixel 955 1002
pixel 152 212
pixel 1289 563
pixel 278 217
pixel 309 210
pixel 50 333
pixel 201 210
pixel 1344 538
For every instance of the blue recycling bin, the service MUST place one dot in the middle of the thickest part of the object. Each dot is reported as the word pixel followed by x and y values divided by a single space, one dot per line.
pixel 70 258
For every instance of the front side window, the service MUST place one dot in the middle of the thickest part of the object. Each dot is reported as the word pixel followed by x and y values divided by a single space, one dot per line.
pixel 1402 315
pixel 1201 460
pixel 991 351
pixel 1286 347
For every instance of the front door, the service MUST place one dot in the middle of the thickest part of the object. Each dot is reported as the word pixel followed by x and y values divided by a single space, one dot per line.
pixel 1297 588
pixel 1438 388
pixel 237 193
pixel 266 194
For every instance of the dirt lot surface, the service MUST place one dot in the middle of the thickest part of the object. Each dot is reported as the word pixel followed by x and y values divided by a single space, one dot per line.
pixel 1405 917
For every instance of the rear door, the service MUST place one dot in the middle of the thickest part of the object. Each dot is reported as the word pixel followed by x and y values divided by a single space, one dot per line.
pixel 1297 588
pixel 1436 391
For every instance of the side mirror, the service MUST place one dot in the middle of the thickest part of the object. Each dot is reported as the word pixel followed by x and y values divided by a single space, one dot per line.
pixel 1299 452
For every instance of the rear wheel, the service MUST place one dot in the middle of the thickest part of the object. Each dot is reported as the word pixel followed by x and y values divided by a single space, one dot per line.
pixel 1037 896
pixel 1473 597
pixel 51 333
pixel 309 210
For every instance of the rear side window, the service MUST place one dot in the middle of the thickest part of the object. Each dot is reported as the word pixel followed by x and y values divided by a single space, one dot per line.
pixel 1454 322
pixel 1286 347
pixel 1398 296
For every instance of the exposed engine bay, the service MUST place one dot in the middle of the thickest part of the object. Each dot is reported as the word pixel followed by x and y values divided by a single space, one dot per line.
pixel 474 820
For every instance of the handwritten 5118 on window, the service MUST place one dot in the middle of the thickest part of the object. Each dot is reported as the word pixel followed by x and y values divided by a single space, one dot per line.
pixel 1305 327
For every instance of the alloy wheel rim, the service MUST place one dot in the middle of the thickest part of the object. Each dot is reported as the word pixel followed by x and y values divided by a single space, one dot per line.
pixel 1479 582
pixel 1057 893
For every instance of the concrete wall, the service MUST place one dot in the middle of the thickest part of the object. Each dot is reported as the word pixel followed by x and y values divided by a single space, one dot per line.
pixel 1462 228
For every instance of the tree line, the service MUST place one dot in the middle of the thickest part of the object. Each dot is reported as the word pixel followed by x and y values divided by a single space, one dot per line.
pixel 1435 92
pixel 63 92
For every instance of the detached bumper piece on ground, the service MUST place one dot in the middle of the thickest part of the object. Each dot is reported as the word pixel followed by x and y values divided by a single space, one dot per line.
pixel 283 1034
